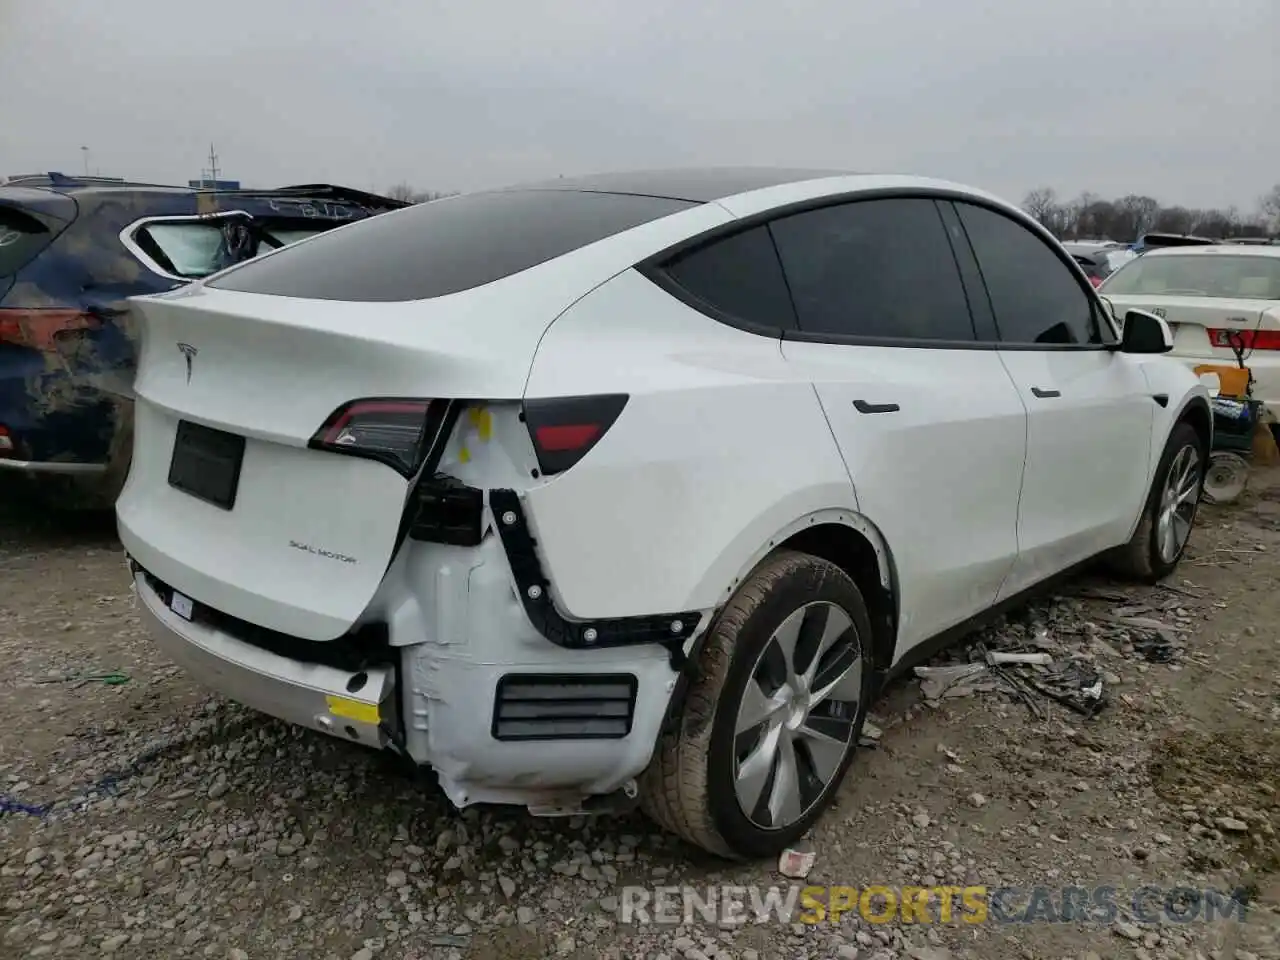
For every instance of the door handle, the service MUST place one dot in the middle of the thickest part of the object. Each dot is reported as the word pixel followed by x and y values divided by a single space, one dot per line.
pixel 1044 394
pixel 863 407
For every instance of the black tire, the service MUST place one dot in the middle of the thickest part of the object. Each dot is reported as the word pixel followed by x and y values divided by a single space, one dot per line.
pixel 1140 559
pixel 688 787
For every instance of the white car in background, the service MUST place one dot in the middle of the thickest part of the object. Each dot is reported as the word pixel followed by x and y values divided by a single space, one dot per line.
pixel 1211 296
pixel 638 486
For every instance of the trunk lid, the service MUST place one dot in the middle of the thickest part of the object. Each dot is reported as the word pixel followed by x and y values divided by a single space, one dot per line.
pixel 1192 318
pixel 310 533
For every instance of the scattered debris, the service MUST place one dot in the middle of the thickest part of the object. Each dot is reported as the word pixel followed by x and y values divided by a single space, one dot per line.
pixel 998 657
pixel 449 940
pixel 113 679
pixel 870 736
pixel 951 681
pixel 1076 687
pixel 797 860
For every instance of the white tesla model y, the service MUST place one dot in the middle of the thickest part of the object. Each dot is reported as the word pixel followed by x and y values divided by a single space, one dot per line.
pixel 636 487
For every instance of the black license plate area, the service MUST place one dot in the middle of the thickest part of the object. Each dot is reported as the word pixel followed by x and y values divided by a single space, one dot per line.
pixel 206 463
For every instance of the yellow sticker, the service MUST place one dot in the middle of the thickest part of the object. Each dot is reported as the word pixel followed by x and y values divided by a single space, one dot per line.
pixel 353 709
pixel 482 420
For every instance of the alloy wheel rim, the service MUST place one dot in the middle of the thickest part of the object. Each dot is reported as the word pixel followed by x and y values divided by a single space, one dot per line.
pixel 795 720
pixel 1178 504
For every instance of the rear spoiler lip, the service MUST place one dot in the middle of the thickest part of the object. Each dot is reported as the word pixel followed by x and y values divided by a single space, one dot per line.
pixel 329 191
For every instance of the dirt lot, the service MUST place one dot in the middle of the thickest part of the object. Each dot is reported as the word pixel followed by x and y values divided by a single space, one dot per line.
pixel 148 819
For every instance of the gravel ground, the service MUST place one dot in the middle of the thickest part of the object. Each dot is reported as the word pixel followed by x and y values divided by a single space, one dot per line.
pixel 150 819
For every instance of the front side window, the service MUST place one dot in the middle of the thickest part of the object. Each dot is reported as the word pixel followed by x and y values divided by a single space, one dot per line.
pixel 1036 298
pixel 738 276
pixel 1223 275
pixel 874 268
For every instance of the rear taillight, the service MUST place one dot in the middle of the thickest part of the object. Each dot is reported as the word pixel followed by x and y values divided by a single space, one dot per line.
pixel 1244 339
pixel 1096 281
pixel 397 432
pixel 563 429
pixel 6 442
pixel 39 329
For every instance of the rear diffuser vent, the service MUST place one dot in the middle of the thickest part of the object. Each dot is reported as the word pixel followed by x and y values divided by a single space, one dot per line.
pixel 557 706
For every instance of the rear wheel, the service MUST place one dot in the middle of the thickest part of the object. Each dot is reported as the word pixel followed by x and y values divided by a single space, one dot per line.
pixel 1170 511
pixel 772 719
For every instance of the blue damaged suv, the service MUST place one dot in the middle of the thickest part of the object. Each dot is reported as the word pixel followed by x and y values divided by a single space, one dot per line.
pixel 71 251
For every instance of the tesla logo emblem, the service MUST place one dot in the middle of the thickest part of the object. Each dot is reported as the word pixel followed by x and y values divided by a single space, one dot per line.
pixel 1158 311
pixel 188 353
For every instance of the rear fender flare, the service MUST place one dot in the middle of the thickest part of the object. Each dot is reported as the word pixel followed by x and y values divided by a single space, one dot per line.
pixel 831 515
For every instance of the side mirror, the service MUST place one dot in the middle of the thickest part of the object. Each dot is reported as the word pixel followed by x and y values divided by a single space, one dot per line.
pixel 1145 333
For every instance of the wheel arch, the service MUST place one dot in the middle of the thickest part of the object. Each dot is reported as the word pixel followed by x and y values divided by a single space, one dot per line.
pixel 1198 415
pixel 853 543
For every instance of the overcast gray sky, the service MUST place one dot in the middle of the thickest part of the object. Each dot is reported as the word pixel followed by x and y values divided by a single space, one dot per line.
pixel 1176 98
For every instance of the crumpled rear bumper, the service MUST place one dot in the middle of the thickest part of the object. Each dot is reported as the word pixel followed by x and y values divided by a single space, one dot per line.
pixel 357 706
pixel 501 714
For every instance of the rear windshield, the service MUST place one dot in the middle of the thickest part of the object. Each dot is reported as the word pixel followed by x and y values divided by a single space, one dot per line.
pixel 1199 275
pixel 445 246
pixel 21 238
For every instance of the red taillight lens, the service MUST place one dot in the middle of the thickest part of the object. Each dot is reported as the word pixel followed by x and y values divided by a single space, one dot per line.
pixel 6 442
pixel 565 428
pixel 39 329
pixel 397 432
pixel 1096 281
pixel 1244 339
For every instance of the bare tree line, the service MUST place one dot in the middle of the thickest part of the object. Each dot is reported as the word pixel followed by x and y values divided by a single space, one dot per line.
pixel 407 194
pixel 1091 217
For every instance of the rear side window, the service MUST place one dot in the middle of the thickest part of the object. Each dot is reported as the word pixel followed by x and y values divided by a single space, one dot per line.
pixel 283 236
pixel 196 248
pixel 21 238
pixel 185 248
pixel 874 268
pixel 739 276
pixel 445 246
pixel 1035 296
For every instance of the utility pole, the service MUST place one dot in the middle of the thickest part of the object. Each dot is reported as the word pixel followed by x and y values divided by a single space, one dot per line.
pixel 85 153
pixel 210 175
